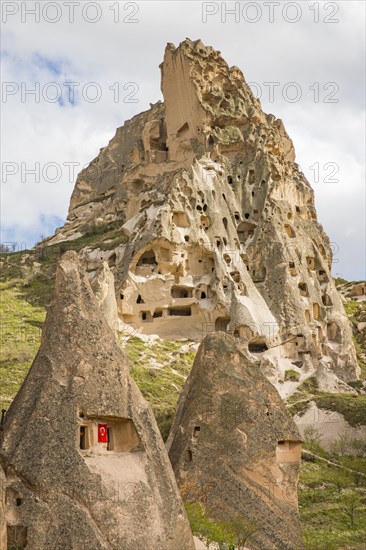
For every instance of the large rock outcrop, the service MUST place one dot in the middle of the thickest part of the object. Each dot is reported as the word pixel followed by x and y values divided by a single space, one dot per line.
pixel 85 464
pixel 235 443
pixel 217 224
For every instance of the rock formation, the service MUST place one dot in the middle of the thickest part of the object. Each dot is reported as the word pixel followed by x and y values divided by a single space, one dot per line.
pixel 234 440
pixel 2 511
pixel 103 288
pixel 85 465
pixel 217 224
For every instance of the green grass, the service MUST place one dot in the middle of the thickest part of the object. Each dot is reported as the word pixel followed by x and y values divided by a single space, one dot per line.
pixel 353 408
pixel 322 491
pixel 339 281
pixel 351 307
pixel 160 370
pixel 299 401
pixel 292 375
pixel 317 449
pixel 21 324
pixel 37 283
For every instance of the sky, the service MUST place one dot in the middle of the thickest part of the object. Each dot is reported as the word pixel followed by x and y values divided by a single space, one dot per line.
pixel 73 71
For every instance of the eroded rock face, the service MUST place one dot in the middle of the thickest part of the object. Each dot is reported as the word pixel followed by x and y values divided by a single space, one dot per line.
pixel 359 289
pixel 84 461
pixel 234 443
pixel 217 223
pixel 103 288
pixel 3 537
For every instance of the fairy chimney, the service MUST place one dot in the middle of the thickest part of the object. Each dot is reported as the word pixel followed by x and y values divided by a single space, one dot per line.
pixel 235 446
pixel 84 462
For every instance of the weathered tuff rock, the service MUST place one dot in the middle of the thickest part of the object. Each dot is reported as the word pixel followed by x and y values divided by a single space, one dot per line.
pixel 2 511
pixel 218 228
pixel 103 288
pixel 234 442
pixel 359 289
pixel 330 426
pixel 64 489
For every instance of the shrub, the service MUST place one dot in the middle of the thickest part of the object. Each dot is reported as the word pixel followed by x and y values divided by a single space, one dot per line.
pixel 312 436
pixel 292 375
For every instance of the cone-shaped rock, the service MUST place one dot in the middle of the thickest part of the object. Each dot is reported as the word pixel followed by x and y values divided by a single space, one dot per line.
pixel 84 462
pixel 234 443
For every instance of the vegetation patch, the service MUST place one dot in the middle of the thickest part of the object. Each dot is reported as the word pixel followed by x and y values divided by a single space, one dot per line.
pixel 351 407
pixel 160 369
pixel 332 505
pixel 33 271
pixel 292 375
pixel 20 337
pixel 298 402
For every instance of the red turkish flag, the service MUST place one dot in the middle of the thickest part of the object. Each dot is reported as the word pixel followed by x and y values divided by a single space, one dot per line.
pixel 102 433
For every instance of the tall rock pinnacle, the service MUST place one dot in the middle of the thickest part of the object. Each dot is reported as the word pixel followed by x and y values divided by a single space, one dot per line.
pixel 84 461
pixel 234 445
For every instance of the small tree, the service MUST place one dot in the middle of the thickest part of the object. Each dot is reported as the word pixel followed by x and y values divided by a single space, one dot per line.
pixel 358 447
pixel 350 504
pixel 358 465
pixel 342 445
pixel 241 529
pixel 312 436
pixel 204 528
pixel 340 478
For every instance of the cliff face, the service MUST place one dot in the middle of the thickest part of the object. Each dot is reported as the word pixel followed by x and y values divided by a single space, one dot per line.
pixel 236 445
pixel 84 462
pixel 218 224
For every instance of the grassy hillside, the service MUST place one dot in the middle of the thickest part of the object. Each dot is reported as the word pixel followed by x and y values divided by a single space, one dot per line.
pixel 26 288
pixel 160 370
pixel 352 407
pixel 20 327
pixel 332 501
